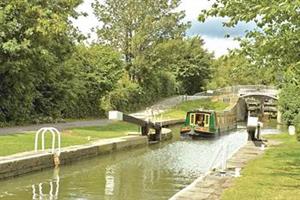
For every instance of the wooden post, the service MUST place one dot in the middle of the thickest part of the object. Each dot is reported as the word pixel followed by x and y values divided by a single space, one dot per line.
pixel 145 130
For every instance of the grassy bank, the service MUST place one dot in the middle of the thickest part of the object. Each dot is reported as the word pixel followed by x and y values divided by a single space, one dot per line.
pixel 15 143
pixel 179 111
pixel 275 175
pixel 11 144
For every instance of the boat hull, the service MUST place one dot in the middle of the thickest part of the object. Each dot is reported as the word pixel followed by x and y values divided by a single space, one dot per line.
pixel 194 135
pixel 206 135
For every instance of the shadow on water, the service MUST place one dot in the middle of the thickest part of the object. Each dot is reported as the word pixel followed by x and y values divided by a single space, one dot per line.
pixel 153 172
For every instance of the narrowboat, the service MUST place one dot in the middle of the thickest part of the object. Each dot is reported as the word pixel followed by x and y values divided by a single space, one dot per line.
pixel 208 123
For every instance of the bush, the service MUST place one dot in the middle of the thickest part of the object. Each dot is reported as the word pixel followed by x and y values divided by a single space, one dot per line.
pixel 125 97
pixel 129 96
pixel 289 97
pixel 297 125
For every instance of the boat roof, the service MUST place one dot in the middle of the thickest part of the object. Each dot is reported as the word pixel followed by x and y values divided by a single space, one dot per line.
pixel 201 111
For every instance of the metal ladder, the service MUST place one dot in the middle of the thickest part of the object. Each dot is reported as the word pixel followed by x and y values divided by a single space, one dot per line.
pixel 54 133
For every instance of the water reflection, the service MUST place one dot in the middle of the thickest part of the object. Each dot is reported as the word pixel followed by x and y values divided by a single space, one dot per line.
pixel 155 172
pixel 109 181
pixel 38 190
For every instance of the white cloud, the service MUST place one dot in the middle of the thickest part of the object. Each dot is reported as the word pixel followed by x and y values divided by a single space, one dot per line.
pixel 219 46
pixel 85 24
pixel 194 7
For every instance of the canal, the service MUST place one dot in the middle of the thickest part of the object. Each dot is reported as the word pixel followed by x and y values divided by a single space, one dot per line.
pixel 152 172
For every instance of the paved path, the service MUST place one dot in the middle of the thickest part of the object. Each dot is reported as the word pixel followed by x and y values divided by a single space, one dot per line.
pixel 161 106
pixel 59 126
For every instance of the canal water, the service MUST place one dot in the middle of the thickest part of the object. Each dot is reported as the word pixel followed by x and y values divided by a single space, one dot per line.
pixel 148 173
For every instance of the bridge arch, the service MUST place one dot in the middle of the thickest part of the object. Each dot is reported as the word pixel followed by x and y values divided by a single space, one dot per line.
pixel 259 95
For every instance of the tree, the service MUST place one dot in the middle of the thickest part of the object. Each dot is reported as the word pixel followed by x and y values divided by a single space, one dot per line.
pixel 187 60
pixel 289 100
pixel 135 26
pixel 276 40
pixel 96 71
pixel 35 39
pixel 235 69
pixel 275 44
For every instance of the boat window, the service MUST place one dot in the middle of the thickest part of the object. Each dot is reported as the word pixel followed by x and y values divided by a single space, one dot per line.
pixel 206 120
pixel 192 122
pixel 200 119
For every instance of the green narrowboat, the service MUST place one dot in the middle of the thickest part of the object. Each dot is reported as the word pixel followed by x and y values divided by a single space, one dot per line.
pixel 208 123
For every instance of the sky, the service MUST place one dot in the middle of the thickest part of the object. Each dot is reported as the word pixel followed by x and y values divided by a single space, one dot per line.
pixel 211 31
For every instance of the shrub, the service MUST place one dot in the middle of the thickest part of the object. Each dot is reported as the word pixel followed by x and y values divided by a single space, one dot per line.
pixel 297 125
pixel 125 97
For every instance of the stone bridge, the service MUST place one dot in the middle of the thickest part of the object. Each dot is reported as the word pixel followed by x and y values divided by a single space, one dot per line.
pixel 258 99
pixel 266 93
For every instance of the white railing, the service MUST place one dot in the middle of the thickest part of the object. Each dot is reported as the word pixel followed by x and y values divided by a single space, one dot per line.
pixel 235 89
pixel 54 132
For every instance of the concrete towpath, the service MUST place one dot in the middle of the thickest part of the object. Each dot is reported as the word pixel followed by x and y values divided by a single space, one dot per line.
pixel 211 186
pixel 159 107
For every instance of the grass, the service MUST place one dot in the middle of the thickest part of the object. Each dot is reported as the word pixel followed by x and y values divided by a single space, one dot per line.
pixel 275 175
pixel 15 143
pixel 179 111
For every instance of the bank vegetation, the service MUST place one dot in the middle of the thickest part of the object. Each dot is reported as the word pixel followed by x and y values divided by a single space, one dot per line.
pixel 49 71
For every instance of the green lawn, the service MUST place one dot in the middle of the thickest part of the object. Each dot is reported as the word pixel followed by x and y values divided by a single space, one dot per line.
pixel 15 143
pixel 275 175
pixel 179 111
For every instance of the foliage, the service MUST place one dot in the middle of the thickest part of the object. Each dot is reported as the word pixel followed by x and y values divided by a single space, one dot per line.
pixel 274 45
pixel 129 96
pixel 96 71
pixel 35 39
pixel 276 40
pixel 297 125
pixel 136 26
pixel 187 59
pixel 47 73
pixel 123 98
pixel 146 34
pixel 289 101
pixel 235 69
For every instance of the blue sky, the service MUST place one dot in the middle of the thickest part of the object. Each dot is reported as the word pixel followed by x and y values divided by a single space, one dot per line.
pixel 211 31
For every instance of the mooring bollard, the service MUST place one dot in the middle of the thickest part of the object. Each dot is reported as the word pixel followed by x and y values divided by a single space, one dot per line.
pixel 292 130
pixel 237 172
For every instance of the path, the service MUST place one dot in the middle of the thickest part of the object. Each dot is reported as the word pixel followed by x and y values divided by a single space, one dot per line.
pixel 59 126
pixel 161 106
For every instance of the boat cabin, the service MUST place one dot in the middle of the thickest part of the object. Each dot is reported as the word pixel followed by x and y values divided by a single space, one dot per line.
pixel 199 118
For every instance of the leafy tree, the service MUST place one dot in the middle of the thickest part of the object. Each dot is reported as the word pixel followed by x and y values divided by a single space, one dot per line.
pixel 289 100
pixel 35 39
pixel 135 26
pixel 276 40
pixel 188 61
pixel 96 71
pixel 297 125
pixel 235 69
pixel 125 97
pixel 274 44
